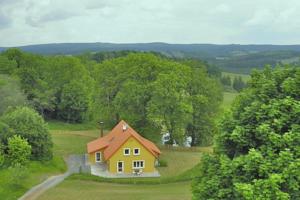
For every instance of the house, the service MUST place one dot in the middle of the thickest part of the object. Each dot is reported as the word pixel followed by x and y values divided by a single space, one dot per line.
pixel 123 152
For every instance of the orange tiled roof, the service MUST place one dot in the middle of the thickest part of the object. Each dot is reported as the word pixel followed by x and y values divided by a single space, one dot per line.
pixel 116 138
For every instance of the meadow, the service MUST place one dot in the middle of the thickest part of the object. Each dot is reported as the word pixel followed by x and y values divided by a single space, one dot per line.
pixel 77 189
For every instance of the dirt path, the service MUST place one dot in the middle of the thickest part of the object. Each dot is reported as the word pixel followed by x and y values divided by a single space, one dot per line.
pixel 74 163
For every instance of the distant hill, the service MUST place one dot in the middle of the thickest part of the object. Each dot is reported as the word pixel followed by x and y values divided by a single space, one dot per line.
pixel 232 58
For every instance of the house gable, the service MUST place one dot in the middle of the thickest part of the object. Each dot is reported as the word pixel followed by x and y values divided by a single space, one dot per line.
pixel 144 155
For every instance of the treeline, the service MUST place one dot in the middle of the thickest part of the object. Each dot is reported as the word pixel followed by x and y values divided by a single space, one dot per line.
pixel 152 92
pixel 237 83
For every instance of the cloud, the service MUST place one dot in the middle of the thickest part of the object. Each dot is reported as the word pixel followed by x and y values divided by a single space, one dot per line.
pixel 175 21
pixel 52 16
pixel 5 21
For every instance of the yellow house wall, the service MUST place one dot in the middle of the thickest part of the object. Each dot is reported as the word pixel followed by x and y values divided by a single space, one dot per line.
pixel 149 158
pixel 92 158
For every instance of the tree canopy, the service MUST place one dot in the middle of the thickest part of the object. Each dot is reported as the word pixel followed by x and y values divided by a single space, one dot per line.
pixel 257 149
pixel 147 90
pixel 28 124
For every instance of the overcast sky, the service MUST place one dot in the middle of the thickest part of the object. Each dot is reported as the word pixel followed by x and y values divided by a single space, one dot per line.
pixel 25 22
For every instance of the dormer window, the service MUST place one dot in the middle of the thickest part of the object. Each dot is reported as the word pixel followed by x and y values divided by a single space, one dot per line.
pixel 124 127
pixel 126 151
pixel 136 151
pixel 98 156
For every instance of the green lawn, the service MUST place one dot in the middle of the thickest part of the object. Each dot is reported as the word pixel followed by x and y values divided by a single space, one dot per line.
pixel 76 189
pixel 181 166
pixel 37 172
pixel 59 125
pixel 178 162
pixel 74 142
pixel 228 98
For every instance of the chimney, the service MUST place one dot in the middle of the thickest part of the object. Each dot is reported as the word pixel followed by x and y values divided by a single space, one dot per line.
pixel 124 127
pixel 101 128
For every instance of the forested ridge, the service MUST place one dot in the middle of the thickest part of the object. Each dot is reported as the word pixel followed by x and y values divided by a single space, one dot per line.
pixel 234 58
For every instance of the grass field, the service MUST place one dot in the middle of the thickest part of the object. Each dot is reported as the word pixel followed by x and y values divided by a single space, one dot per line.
pixel 37 172
pixel 72 142
pixel 76 189
pixel 228 98
pixel 180 163
pixel 59 125
pixel 245 77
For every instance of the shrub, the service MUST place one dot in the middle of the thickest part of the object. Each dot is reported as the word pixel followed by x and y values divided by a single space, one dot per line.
pixel 31 126
pixel 17 173
pixel 18 151
pixel 162 163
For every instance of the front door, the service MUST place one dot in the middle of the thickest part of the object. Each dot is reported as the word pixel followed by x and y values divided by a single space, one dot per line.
pixel 120 166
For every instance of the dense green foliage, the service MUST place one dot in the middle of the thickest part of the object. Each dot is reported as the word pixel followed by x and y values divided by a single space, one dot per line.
pixel 233 83
pixel 2 156
pixel 226 81
pixel 19 151
pixel 28 124
pixel 47 82
pixel 238 84
pixel 257 151
pixel 147 90
pixel 10 93
pixel 235 58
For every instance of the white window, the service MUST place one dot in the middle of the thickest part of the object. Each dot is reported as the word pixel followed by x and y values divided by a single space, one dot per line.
pixel 98 156
pixel 138 164
pixel 120 166
pixel 126 151
pixel 136 151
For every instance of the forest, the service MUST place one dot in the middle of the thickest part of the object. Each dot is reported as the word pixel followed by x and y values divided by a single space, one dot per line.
pixel 236 58
pixel 150 91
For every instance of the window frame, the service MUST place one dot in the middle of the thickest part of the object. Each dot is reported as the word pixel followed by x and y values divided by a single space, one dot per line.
pixel 96 153
pixel 138 161
pixel 125 150
pixel 120 161
pixel 137 154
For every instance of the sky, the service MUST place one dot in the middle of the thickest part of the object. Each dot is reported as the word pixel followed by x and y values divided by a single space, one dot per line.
pixel 24 22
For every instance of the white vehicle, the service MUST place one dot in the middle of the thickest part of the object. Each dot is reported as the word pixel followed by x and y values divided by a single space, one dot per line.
pixel 166 139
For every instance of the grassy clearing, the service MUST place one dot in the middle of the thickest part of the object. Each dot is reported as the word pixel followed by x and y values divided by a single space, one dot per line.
pixel 38 172
pixel 245 77
pixel 76 189
pixel 59 125
pixel 72 142
pixel 178 162
pixel 228 98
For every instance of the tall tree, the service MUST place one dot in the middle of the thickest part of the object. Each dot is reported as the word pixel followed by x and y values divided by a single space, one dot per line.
pixel 257 149
pixel 170 105
pixel 28 124
pixel 206 95
pixel 238 83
